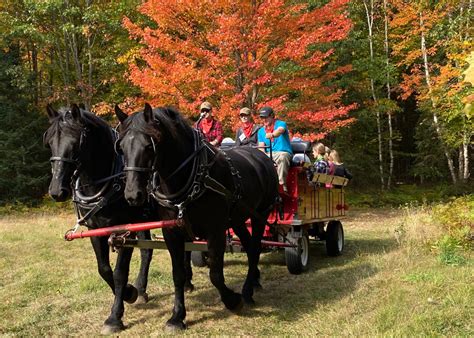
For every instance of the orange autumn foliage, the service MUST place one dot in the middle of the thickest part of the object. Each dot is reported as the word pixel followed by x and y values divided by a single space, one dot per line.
pixel 243 53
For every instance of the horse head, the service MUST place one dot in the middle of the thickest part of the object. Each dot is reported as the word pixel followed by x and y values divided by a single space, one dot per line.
pixel 65 138
pixel 138 149
pixel 152 143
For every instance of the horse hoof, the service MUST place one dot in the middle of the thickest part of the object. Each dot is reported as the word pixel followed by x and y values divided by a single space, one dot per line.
pixel 174 325
pixel 188 287
pixel 108 329
pixel 234 303
pixel 238 307
pixel 249 301
pixel 257 286
pixel 131 294
pixel 142 299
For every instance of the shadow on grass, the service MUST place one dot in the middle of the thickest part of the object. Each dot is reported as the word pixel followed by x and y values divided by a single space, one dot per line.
pixel 284 296
pixel 287 296
pixel 353 248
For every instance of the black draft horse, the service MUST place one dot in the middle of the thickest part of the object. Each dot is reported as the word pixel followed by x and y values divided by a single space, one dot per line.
pixel 82 145
pixel 207 189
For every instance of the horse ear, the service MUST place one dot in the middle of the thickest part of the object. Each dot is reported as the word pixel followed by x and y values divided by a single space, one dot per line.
pixel 120 114
pixel 148 113
pixel 75 112
pixel 52 114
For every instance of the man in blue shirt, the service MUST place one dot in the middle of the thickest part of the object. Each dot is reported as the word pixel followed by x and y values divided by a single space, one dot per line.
pixel 274 133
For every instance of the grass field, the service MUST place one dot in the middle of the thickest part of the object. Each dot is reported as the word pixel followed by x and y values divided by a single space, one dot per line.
pixel 389 281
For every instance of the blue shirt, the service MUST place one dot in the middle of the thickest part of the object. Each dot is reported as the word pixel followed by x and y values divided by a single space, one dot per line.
pixel 280 143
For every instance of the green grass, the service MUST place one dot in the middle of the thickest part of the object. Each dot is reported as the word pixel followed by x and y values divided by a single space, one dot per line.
pixel 389 281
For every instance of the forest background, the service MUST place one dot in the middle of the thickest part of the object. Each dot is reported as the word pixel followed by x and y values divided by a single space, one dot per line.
pixel 385 82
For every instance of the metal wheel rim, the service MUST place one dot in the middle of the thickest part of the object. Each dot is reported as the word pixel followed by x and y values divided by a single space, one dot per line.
pixel 304 250
pixel 340 238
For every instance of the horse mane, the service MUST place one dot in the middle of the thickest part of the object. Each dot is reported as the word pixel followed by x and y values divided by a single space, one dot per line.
pixel 67 124
pixel 168 119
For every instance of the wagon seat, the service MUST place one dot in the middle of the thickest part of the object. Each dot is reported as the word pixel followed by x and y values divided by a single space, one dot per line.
pixel 301 149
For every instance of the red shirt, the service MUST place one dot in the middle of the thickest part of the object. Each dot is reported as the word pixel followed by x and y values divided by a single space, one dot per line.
pixel 215 133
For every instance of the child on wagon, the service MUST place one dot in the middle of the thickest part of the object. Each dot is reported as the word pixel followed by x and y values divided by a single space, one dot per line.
pixel 320 161
pixel 338 167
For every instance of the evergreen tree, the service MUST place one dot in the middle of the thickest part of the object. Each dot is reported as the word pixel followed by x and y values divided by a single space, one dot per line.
pixel 23 159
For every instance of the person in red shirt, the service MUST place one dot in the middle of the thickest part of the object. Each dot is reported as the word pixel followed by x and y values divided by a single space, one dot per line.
pixel 209 126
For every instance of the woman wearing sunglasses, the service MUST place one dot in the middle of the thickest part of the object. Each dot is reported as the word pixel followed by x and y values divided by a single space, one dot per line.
pixel 209 126
pixel 247 133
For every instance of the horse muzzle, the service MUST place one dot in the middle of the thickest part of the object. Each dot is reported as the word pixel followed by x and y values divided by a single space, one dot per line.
pixel 60 194
pixel 135 197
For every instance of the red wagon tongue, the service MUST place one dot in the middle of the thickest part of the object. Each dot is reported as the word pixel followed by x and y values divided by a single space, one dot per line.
pixel 69 236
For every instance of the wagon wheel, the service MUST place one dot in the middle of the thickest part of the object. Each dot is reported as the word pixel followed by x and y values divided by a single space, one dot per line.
pixel 334 238
pixel 199 258
pixel 297 258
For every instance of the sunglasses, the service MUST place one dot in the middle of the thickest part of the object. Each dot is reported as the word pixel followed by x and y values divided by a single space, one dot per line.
pixel 205 110
pixel 244 115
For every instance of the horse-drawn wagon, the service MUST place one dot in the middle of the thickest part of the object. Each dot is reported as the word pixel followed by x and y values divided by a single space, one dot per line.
pixel 200 192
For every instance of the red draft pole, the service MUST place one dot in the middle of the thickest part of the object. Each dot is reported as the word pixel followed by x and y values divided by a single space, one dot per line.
pixel 132 227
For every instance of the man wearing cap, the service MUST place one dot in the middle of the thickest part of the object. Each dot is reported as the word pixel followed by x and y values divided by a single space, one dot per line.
pixel 247 133
pixel 275 133
pixel 209 126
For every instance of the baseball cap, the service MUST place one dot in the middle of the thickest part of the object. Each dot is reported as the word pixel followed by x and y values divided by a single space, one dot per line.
pixel 266 112
pixel 245 111
pixel 206 105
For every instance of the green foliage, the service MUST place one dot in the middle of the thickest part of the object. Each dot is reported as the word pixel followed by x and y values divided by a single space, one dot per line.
pixel 450 251
pixel 75 46
pixel 42 205
pixel 457 218
pixel 430 160
pixel 24 162
pixel 408 194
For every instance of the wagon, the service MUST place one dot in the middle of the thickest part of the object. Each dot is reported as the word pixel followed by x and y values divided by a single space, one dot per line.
pixel 310 210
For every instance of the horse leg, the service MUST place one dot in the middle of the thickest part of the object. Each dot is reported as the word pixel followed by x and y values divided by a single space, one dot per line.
pixel 123 291
pixel 101 250
pixel 142 278
pixel 188 285
pixel 216 248
pixel 175 244
pixel 246 241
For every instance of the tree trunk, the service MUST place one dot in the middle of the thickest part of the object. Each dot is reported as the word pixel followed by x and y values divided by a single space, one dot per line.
pixel 465 146
pixel 89 89
pixel 389 114
pixel 64 68
pixel 433 103
pixel 77 64
pixel 34 60
pixel 370 22
pixel 88 99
